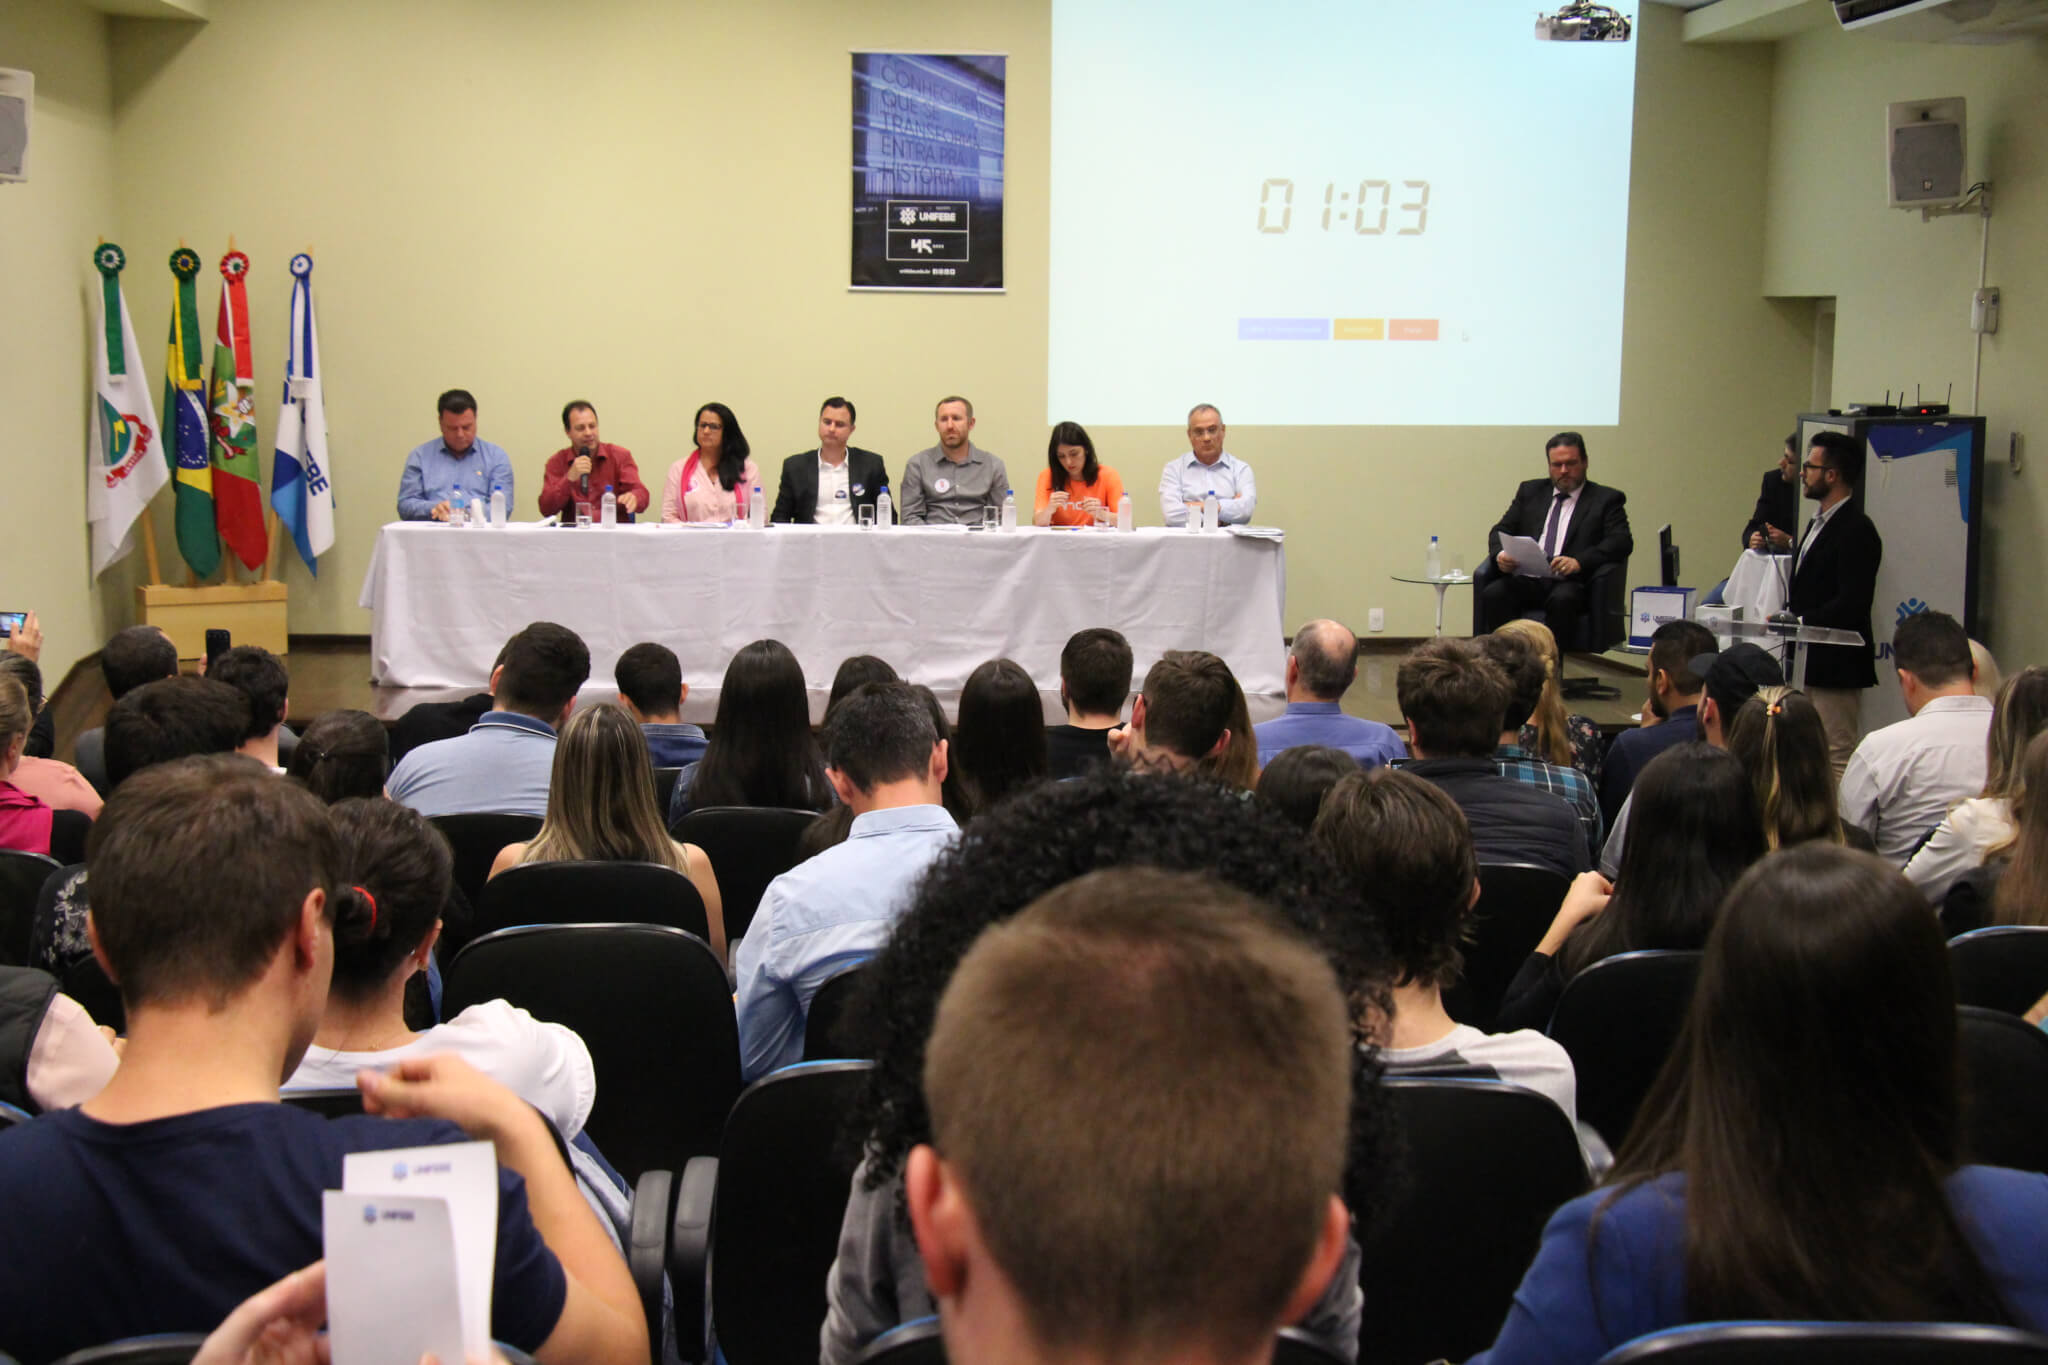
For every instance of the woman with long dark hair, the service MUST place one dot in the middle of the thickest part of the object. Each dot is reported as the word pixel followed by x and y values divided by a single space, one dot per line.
pixel 1074 488
pixel 762 752
pixel 1798 1155
pixel 1694 830
pixel 342 754
pixel 710 482
pixel 999 744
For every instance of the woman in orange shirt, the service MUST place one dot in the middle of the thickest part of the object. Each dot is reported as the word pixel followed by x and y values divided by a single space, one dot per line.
pixel 1073 489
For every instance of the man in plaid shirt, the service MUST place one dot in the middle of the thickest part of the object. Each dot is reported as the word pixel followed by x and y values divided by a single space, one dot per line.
pixel 1526 673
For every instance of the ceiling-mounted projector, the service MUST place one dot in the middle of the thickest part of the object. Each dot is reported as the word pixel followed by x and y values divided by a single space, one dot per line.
pixel 1585 22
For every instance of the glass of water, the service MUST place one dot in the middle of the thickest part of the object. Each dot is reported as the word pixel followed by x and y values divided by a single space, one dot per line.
pixel 583 514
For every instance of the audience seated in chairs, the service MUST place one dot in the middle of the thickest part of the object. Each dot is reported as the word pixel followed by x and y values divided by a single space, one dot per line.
pixel 1975 828
pixel 342 754
pixel 1454 697
pixel 851 673
pixel 260 676
pixel 1040 840
pixel 1824 1010
pixel 888 767
pixel 2011 887
pixel 1408 853
pixel 1696 830
pixel 1522 664
pixel 129 659
pixel 762 752
pixel 168 719
pixel 1120 1007
pixel 1552 733
pixel 186 1163
pixel 52 1056
pixel 1322 663
pixel 652 690
pixel 1779 740
pixel 1095 682
pixel 26 822
pixel 601 809
pixel 1181 719
pixel 1673 703
pixel 999 744
pixel 1297 780
pixel 57 785
pixel 501 765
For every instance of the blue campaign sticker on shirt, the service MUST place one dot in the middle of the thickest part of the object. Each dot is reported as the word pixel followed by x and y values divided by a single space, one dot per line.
pixel 859 490
pixel 839 494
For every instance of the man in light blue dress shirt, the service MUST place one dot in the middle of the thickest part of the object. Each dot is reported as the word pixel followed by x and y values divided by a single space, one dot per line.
pixel 887 763
pixel 1320 669
pixel 455 462
pixel 1207 468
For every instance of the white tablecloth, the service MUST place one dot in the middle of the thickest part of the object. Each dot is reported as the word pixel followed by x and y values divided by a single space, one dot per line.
pixel 934 602
pixel 1757 585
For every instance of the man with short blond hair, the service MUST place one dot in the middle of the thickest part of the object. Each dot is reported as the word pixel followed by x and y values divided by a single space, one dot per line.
pixel 955 481
pixel 1054 1220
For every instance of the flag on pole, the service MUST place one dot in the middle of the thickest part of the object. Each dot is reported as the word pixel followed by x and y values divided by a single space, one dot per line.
pixel 231 403
pixel 185 423
pixel 299 487
pixel 120 478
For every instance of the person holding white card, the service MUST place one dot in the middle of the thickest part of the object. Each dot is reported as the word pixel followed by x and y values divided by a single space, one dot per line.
pixel 211 910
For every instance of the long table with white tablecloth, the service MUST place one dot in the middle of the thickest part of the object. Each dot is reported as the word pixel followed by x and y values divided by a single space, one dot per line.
pixel 933 601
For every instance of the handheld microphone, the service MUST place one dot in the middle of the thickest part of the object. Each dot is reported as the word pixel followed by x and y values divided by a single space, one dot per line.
pixel 585 480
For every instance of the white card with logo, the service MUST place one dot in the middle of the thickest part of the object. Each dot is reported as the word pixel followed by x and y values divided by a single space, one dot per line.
pixel 466 1175
pixel 392 1291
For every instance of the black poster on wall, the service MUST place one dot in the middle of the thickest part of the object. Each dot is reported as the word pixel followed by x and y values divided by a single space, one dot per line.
pixel 927 171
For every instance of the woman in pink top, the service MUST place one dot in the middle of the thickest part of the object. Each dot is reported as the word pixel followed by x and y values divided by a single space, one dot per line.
pixel 714 482
pixel 57 785
pixel 27 824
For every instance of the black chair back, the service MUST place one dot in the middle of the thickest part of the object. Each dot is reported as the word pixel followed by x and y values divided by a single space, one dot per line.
pixel 922 1343
pixel 21 887
pixel 165 1348
pixel 1619 1019
pixel 652 1005
pixel 1517 901
pixel 11 1114
pixel 2005 1089
pixel 825 1022
pixel 665 788
pixel 478 839
pixel 591 893
pixel 2001 968
pixel 749 847
pixel 1487 1164
pixel 783 1176
pixel 1833 1343
pixel 87 983
pixel 337 1103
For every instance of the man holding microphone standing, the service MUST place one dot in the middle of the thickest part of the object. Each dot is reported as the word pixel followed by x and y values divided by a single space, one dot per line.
pixel 581 471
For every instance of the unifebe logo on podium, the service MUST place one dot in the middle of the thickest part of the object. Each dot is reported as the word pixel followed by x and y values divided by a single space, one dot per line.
pixel 927 171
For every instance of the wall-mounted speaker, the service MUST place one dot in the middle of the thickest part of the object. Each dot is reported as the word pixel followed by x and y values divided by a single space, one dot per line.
pixel 17 99
pixel 1923 148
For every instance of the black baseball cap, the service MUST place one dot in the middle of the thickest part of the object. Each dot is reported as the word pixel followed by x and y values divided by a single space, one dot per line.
pixel 1735 674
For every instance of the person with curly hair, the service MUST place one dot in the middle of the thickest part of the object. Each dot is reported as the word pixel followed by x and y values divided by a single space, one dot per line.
pixel 1040 840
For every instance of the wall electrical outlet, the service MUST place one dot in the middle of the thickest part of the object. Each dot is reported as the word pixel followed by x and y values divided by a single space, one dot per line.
pixel 1376 619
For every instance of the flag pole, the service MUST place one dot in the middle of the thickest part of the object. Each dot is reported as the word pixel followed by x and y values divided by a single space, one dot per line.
pixel 156 576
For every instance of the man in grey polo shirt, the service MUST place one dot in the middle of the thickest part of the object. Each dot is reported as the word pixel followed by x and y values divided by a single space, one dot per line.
pixel 504 762
pixel 953 481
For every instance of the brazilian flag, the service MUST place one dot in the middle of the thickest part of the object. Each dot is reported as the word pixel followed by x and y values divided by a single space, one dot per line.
pixel 185 423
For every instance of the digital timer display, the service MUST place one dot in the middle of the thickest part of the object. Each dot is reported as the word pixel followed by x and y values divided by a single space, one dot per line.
pixel 1367 209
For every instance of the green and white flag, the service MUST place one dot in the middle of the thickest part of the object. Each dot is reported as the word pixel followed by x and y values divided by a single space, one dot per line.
pixel 120 476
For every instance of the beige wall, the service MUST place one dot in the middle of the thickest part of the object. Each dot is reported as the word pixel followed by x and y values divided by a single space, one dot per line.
pixel 1903 286
pixel 48 228
pixel 644 203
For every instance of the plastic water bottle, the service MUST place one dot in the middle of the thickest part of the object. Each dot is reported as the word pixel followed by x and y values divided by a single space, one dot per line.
pixel 757 509
pixel 608 508
pixel 1010 509
pixel 1212 513
pixel 500 513
pixel 1124 520
pixel 1433 563
pixel 458 509
pixel 885 512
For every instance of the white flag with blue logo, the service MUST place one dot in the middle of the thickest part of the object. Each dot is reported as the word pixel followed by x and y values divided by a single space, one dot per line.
pixel 299 486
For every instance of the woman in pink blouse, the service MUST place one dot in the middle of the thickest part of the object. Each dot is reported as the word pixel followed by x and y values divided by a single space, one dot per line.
pixel 715 480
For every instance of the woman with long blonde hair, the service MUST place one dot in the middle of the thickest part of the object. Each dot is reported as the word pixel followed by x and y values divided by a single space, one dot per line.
pixel 2011 886
pixel 1552 734
pixel 601 809
pixel 1778 737
pixel 1976 829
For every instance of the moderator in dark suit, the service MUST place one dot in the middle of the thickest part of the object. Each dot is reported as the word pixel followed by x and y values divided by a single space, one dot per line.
pixel 1833 581
pixel 797 498
pixel 1596 536
pixel 1777 503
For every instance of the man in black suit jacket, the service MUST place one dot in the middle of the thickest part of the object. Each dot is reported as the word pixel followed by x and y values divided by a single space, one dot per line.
pixel 1834 578
pixel 1583 525
pixel 863 471
pixel 1777 504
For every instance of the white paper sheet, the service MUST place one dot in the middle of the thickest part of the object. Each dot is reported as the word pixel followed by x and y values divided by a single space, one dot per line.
pixel 1530 561
pixel 392 1289
pixel 465 1174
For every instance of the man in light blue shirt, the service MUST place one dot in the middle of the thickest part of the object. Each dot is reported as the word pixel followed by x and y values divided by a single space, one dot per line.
pixel 1320 669
pixel 456 463
pixel 1207 468
pixel 887 763
pixel 651 688
pixel 505 761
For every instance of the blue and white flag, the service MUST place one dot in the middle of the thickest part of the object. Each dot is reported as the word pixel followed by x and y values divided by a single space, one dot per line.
pixel 299 486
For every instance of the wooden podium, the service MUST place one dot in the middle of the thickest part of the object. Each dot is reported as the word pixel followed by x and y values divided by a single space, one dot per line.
pixel 253 613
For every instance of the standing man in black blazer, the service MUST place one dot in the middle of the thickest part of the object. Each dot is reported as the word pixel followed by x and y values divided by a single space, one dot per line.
pixel 1582 526
pixel 1777 505
pixel 826 486
pixel 1834 578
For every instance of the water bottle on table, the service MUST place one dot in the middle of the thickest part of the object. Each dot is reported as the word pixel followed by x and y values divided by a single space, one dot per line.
pixel 1212 512
pixel 608 508
pixel 500 513
pixel 458 509
pixel 1125 520
pixel 1010 510
pixel 884 511
pixel 1433 562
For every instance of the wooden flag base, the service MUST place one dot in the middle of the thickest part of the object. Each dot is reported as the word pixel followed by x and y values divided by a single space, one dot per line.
pixel 253 613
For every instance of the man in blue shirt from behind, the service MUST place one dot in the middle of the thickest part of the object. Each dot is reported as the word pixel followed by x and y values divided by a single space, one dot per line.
pixel 651 687
pixel 457 463
pixel 1320 669
pixel 888 764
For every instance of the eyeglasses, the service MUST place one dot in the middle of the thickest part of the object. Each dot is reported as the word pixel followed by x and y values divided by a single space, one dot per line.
pixel 1819 467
